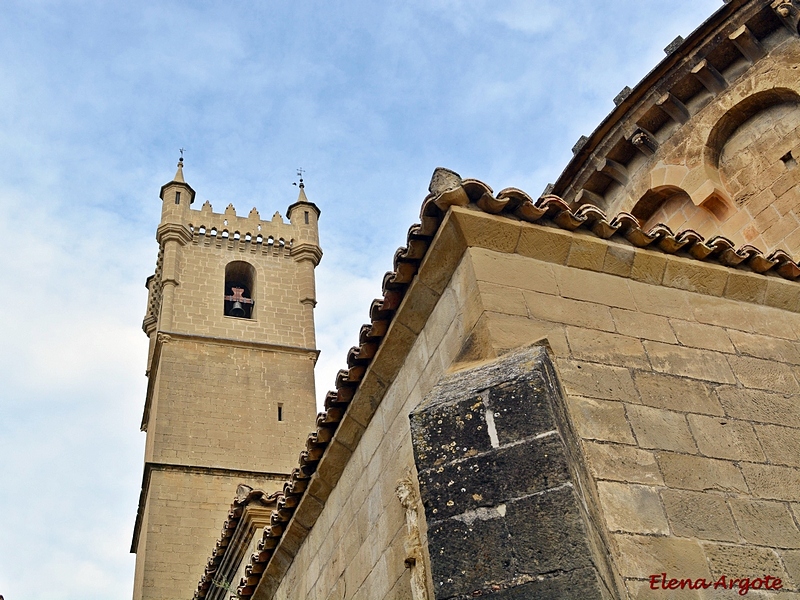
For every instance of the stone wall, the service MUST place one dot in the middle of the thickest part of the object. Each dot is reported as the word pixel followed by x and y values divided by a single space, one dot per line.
pixel 278 316
pixel 181 526
pixel 357 547
pixel 686 405
pixel 681 385
pixel 757 166
pixel 500 476
pixel 216 405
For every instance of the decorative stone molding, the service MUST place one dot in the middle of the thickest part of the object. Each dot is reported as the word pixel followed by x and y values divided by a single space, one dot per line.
pixel 788 12
pixel 168 232
pixel 305 251
pixel 644 142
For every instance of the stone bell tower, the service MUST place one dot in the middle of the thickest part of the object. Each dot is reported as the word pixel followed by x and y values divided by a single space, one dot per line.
pixel 230 368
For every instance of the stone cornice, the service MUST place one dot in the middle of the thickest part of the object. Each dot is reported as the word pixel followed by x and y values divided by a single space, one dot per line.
pixel 173 232
pixel 660 98
pixel 305 204
pixel 181 184
pixel 149 467
pixel 305 251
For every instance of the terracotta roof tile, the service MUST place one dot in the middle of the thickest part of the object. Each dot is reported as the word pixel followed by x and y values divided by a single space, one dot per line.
pixel 244 496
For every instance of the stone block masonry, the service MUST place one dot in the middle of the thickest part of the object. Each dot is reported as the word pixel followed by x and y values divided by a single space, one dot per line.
pixel 230 398
pixel 503 512
pixel 686 410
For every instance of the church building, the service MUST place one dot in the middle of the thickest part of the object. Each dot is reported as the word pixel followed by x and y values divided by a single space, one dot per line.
pixel 593 393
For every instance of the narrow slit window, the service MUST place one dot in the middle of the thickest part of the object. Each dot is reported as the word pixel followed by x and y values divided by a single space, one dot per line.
pixel 280 412
pixel 177 197
pixel 306 217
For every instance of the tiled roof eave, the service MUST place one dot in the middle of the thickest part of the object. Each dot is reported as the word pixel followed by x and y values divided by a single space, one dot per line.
pixel 448 189
pixel 245 496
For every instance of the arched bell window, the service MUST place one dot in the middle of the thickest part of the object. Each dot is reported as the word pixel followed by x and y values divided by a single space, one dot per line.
pixel 240 280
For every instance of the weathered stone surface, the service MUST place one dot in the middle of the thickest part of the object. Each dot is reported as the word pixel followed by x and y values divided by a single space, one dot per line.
pixel 547 532
pixel 699 515
pixel 587 252
pixel 600 420
pixel 692 276
pixel 762 346
pixel 760 406
pixel 468 556
pixel 594 287
pixel 510 332
pixel 623 463
pixel 657 300
pixel 727 559
pixel 781 444
pixel 492 477
pixel 464 421
pixel 520 409
pixel 662 429
pixel 580 583
pixel 513 271
pixel 566 310
pixel 765 523
pixel 764 374
pixel 689 362
pixel 619 260
pixel 677 393
pixel 749 287
pixel 596 381
pixel 545 243
pixel 642 555
pixel 772 482
pixel 791 560
pixel 503 298
pixel 642 325
pixel 648 266
pixel 698 335
pixel 721 437
pixel 606 348
pixel 632 508
pixel 500 518
pixel 699 473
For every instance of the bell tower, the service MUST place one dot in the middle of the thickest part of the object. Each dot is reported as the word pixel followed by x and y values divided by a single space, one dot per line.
pixel 230 368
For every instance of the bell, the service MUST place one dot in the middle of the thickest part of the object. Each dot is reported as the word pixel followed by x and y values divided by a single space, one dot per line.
pixel 237 310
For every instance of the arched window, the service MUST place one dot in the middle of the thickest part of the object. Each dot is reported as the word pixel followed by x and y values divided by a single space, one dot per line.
pixel 240 280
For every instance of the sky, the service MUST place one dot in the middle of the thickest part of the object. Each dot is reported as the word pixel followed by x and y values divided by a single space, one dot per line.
pixel 96 98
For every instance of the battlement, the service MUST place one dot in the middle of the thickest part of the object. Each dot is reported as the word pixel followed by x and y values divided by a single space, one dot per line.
pixel 184 224
pixel 251 232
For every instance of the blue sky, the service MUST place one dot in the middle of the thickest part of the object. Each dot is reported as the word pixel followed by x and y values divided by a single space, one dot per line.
pixel 96 98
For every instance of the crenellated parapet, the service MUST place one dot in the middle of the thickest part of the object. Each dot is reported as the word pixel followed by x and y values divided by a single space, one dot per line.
pixel 243 234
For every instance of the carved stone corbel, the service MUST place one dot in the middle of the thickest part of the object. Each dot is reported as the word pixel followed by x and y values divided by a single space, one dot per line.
pixel 644 141
pixel 788 12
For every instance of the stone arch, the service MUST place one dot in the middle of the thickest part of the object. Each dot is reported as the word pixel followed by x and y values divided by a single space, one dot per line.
pixel 652 200
pixel 741 113
pixel 704 183
pixel 240 285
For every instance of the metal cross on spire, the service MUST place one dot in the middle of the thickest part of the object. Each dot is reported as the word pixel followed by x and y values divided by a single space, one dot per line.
pixel 300 171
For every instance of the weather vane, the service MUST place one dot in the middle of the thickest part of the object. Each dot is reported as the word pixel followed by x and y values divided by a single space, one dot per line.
pixel 300 172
